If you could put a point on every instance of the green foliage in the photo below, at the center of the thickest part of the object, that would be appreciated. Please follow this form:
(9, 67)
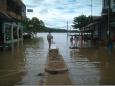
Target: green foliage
(26, 24)
(80, 21)
(48, 29)
(33, 25)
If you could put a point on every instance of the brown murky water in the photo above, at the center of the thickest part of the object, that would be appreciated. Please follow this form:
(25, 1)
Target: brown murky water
(24, 63)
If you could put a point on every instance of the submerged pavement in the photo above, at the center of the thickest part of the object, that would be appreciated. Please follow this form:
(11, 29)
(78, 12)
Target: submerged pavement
(25, 63)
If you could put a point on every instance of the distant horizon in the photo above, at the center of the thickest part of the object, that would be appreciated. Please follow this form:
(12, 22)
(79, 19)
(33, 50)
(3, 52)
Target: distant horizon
(56, 13)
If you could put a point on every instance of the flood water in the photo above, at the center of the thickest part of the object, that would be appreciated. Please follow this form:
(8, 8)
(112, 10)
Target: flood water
(24, 63)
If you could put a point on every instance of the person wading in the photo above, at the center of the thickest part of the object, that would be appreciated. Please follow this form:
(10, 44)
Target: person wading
(50, 39)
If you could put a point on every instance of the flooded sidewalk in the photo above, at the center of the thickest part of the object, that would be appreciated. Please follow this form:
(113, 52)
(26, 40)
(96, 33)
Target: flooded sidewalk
(25, 63)
(92, 66)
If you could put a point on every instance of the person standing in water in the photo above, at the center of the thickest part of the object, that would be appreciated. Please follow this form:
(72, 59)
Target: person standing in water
(75, 41)
(50, 39)
(71, 42)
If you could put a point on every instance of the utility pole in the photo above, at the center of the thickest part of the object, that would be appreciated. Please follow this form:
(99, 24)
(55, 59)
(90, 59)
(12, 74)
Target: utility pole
(67, 28)
(109, 6)
(91, 8)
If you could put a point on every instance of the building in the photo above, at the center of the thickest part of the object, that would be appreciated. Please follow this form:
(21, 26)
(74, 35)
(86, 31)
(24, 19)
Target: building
(108, 16)
(12, 12)
(93, 29)
(103, 27)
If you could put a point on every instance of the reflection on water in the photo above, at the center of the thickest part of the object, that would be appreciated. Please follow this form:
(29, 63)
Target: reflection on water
(83, 71)
(26, 60)
(92, 66)
(23, 63)
(11, 66)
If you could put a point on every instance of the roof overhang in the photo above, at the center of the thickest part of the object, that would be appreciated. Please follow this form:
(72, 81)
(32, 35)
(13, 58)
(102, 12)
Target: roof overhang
(5, 17)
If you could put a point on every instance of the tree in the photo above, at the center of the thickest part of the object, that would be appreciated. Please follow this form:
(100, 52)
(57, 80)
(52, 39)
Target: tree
(80, 21)
(38, 25)
(33, 25)
(42, 25)
(25, 23)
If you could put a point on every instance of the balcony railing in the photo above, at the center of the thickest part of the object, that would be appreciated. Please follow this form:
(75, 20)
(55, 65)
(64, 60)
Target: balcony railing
(16, 10)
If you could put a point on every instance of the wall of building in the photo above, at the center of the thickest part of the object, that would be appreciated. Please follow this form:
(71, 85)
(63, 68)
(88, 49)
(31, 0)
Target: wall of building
(113, 5)
(3, 5)
(13, 11)
(105, 4)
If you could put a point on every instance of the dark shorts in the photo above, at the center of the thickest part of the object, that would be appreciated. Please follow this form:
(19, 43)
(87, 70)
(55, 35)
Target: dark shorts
(49, 41)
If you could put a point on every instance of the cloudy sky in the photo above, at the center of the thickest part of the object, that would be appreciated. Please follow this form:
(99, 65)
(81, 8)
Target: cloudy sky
(56, 13)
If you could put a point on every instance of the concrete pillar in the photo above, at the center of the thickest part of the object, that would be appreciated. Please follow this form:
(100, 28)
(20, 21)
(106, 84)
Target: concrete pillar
(22, 32)
(12, 37)
(4, 29)
(17, 32)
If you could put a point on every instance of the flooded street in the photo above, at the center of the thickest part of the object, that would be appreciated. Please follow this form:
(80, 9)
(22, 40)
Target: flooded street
(24, 63)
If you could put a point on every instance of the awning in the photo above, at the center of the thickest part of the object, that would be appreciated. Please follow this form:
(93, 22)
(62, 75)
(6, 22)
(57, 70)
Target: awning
(94, 23)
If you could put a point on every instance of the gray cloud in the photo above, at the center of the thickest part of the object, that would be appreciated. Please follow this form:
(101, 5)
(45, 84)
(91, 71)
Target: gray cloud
(57, 12)
(31, 6)
(43, 11)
